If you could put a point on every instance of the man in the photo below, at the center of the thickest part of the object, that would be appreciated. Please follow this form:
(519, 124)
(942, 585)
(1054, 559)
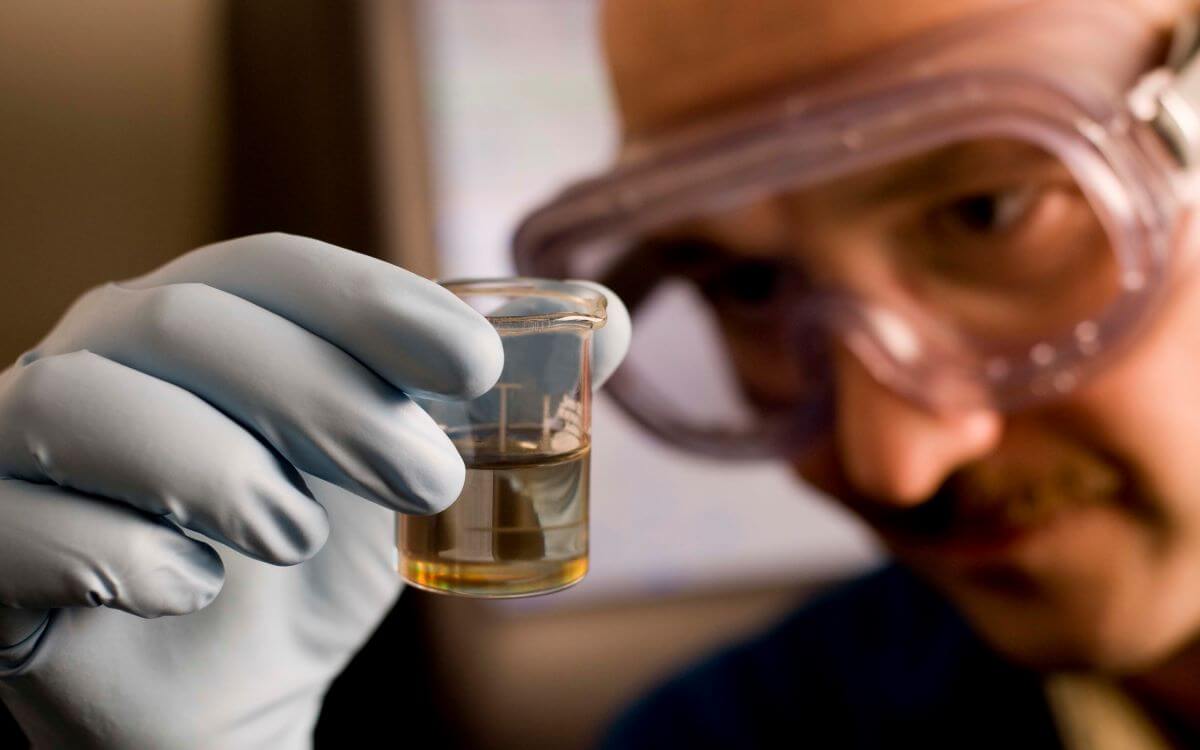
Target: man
(919, 249)
(989, 333)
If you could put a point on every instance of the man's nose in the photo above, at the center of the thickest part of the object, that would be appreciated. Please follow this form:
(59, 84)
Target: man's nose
(892, 450)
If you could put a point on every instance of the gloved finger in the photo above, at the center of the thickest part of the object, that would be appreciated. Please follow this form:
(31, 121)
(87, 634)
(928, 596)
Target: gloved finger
(319, 407)
(412, 332)
(59, 548)
(610, 344)
(16, 626)
(556, 355)
(88, 423)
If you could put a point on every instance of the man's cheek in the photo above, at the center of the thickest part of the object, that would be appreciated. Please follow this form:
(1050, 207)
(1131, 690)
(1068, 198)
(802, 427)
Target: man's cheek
(817, 466)
(1099, 592)
(1143, 412)
(1047, 618)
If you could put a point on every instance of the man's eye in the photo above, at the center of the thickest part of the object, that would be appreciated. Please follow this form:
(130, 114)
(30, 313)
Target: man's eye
(747, 283)
(989, 213)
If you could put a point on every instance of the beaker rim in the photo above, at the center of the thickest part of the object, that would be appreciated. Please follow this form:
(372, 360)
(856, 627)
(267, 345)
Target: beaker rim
(587, 305)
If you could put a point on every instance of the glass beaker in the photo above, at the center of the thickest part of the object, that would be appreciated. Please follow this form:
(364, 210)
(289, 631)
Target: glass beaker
(520, 525)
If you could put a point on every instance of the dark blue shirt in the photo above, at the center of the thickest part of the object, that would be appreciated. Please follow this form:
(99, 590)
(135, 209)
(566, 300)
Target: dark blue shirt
(882, 662)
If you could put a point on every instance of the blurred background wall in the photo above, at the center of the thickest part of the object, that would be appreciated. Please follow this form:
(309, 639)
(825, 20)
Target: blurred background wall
(111, 132)
(134, 130)
(419, 131)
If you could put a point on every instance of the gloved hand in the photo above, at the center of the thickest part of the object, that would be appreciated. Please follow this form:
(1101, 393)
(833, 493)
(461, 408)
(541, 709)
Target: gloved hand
(254, 392)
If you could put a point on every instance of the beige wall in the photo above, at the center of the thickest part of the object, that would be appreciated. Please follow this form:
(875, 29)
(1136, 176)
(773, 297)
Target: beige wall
(110, 148)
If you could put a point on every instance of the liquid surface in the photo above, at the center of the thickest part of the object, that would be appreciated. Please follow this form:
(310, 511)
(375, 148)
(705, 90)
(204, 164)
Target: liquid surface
(518, 528)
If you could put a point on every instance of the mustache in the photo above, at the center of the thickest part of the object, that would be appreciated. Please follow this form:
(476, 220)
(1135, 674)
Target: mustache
(996, 496)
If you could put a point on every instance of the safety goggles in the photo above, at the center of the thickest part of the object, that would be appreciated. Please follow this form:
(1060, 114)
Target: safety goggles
(976, 226)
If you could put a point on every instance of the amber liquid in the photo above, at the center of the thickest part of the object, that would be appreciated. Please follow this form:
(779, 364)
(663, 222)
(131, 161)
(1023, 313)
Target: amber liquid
(520, 527)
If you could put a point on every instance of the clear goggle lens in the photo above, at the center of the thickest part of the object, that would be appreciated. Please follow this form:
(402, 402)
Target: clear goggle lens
(976, 272)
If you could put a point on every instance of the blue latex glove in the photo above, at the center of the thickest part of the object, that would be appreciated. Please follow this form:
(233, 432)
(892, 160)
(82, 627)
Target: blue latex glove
(253, 392)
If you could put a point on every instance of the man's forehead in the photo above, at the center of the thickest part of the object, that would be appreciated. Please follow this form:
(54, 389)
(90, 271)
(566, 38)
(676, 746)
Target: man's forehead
(674, 60)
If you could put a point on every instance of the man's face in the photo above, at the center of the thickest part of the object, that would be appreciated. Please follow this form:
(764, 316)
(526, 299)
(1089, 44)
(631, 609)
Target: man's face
(1068, 534)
